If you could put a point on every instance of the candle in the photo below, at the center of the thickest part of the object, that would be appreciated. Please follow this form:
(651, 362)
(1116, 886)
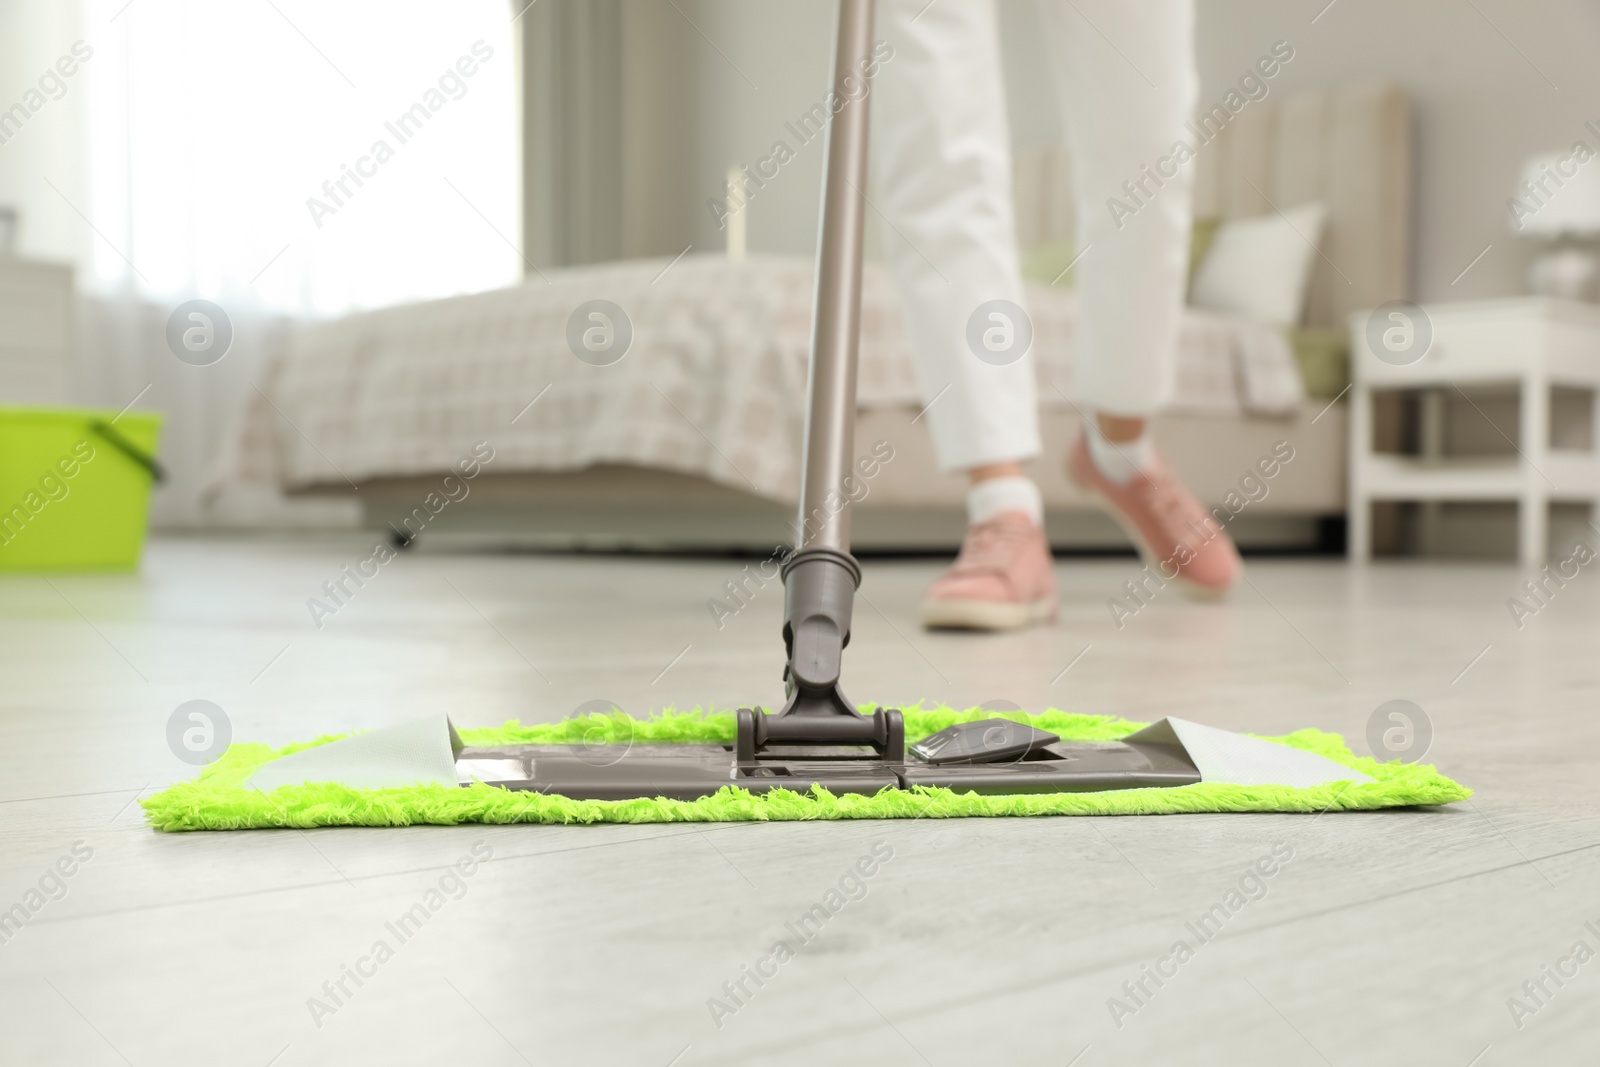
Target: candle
(736, 216)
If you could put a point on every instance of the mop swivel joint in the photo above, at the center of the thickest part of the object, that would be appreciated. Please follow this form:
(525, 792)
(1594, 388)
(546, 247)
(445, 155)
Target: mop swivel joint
(819, 589)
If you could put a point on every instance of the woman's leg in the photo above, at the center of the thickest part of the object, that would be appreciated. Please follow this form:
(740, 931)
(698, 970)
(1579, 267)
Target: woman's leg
(1125, 81)
(1125, 78)
(942, 168)
(941, 161)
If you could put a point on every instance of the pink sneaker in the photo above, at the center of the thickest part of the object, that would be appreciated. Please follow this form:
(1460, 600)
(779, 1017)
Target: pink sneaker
(1002, 580)
(1178, 538)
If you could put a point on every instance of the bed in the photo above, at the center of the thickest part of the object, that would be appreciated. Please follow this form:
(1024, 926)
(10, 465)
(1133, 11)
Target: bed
(692, 439)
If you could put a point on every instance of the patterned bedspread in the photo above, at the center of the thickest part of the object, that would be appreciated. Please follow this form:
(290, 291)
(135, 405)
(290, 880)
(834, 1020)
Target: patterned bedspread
(713, 384)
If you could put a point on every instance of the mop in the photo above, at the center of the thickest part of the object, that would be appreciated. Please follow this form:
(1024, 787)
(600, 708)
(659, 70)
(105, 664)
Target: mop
(819, 756)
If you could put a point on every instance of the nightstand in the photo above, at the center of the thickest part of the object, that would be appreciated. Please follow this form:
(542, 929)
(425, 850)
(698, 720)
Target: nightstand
(1498, 361)
(35, 332)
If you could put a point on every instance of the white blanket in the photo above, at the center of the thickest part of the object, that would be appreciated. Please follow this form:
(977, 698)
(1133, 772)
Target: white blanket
(713, 385)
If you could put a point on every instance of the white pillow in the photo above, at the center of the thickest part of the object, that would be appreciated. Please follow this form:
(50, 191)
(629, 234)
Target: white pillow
(1260, 266)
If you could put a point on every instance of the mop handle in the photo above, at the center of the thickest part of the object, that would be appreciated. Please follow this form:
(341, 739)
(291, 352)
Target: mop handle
(836, 326)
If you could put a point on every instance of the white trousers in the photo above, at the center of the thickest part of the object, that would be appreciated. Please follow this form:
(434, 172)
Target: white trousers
(1124, 75)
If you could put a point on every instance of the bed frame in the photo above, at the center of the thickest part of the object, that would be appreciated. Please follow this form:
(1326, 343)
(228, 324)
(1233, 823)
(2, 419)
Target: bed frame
(1350, 149)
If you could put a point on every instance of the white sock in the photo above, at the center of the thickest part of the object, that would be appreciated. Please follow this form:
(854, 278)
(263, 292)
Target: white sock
(1120, 460)
(991, 497)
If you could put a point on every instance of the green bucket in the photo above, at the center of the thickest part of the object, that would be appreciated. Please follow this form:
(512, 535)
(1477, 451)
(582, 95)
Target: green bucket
(75, 487)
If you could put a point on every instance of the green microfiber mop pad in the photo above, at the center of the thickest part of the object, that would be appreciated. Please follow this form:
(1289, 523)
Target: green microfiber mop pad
(218, 800)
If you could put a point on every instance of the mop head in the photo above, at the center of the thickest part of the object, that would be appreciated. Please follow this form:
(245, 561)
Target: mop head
(219, 799)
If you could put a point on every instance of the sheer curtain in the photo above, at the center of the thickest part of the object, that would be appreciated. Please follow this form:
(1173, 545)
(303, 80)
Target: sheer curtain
(284, 158)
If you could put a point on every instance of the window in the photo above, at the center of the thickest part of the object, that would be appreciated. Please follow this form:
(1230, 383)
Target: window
(303, 157)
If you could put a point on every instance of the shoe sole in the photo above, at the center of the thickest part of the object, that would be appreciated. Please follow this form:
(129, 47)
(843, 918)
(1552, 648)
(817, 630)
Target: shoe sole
(986, 614)
(1187, 586)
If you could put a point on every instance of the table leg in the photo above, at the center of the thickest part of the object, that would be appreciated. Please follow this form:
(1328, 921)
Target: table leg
(1533, 503)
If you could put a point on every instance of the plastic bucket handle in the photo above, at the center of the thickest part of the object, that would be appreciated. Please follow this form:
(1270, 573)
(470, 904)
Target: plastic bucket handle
(115, 439)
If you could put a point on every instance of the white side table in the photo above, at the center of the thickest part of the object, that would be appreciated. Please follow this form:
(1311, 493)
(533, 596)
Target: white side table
(1532, 344)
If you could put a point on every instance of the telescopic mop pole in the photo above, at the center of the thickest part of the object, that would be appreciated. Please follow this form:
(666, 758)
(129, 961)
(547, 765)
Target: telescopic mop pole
(836, 323)
(821, 577)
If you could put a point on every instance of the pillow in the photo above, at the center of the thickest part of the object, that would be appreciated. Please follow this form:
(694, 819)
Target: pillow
(1259, 267)
(1045, 263)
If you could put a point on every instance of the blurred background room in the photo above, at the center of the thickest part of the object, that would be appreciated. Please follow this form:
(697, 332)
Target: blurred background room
(367, 360)
(383, 308)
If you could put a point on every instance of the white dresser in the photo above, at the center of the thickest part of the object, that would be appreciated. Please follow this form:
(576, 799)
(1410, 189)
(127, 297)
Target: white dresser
(35, 331)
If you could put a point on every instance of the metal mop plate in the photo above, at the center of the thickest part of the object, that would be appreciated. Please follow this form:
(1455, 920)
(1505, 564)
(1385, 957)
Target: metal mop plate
(688, 772)
(677, 772)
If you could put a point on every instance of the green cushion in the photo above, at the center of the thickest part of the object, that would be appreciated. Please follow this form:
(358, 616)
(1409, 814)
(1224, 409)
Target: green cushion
(1324, 358)
(1201, 233)
(1050, 261)
(1045, 263)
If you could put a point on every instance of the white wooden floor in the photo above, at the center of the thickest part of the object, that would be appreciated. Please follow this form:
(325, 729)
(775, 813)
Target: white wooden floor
(1387, 938)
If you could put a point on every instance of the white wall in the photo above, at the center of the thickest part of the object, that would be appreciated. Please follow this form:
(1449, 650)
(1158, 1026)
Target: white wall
(1481, 107)
(772, 67)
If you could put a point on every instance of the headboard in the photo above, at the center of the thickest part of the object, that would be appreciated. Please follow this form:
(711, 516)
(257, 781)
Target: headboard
(1350, 148)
